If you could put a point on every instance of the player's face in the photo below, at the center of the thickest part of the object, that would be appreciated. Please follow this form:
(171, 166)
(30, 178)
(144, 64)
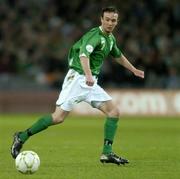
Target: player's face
(109, 21)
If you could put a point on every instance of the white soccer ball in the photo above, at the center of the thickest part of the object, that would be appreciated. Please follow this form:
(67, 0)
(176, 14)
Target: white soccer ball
(27, 162)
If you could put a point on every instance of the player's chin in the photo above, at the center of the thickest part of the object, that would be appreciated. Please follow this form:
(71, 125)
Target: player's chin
(110, 29)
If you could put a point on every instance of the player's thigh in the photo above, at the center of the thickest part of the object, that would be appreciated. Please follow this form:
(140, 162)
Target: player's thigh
(59, 115)
(109, 109)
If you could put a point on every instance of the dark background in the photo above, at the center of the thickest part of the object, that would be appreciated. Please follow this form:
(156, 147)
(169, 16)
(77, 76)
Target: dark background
(35, 37)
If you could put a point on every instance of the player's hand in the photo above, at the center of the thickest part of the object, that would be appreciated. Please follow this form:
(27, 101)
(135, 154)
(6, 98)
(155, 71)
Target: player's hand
(89, 80)
(139, 73)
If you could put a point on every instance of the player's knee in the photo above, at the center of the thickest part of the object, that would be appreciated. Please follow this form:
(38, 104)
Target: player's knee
(114, 113)
(57, 119)
(59, 115)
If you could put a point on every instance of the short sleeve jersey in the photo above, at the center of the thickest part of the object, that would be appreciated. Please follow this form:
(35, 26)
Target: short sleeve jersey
(96, 46)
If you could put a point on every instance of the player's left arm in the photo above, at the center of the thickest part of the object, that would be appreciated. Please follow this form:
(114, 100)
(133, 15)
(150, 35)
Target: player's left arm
(122, 60)
(125, 63)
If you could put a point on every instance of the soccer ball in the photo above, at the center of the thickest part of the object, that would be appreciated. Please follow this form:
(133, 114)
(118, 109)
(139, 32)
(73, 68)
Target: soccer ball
(27, 162)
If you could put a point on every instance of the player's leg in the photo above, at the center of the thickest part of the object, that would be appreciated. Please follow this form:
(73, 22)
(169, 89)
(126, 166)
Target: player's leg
(69, 86)
(43, 123)
(110, 128)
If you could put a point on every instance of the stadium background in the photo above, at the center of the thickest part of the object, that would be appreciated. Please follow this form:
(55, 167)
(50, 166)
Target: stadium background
(35, 37)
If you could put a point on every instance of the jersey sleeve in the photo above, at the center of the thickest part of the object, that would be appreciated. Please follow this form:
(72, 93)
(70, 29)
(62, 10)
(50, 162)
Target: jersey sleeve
(89, 43)
(115, 52)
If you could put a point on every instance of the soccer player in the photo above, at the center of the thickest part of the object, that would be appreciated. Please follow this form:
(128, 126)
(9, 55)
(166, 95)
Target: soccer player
(80, 84)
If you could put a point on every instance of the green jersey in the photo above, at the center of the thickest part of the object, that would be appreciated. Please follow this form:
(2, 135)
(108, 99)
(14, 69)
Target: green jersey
(96, 46)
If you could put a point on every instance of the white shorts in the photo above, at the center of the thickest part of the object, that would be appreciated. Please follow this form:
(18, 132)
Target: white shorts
(75, 90)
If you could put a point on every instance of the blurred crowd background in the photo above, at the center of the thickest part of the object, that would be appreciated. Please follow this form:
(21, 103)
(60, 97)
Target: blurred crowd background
(35, 37)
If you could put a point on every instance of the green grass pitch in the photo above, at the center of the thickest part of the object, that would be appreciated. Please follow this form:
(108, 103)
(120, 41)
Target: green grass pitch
(71, 150)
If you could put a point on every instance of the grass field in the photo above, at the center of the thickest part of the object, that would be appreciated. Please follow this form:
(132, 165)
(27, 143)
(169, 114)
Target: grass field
(71, 150)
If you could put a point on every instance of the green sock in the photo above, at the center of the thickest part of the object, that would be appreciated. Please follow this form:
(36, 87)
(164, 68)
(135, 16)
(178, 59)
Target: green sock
(110, 127)
(40, 125)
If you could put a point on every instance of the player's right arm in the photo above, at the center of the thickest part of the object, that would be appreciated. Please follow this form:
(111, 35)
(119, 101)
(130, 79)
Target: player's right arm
(89, 42)
(87, 71)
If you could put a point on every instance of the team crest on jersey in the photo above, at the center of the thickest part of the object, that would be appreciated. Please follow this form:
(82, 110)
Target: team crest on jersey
(89, 48)
(103, 42)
